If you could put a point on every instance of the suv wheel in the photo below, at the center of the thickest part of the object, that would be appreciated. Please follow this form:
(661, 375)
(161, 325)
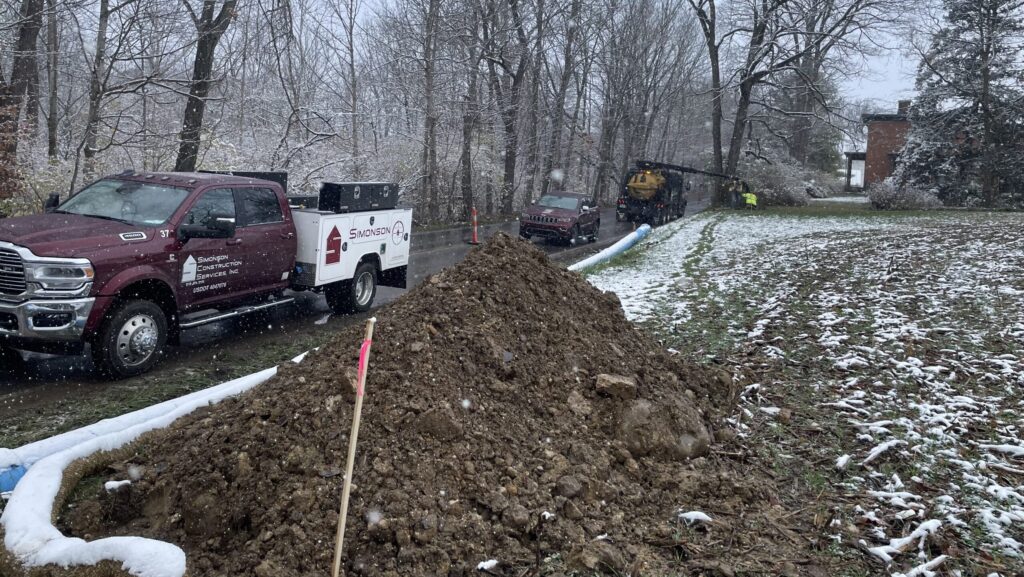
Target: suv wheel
(131, 340)
(354, 295)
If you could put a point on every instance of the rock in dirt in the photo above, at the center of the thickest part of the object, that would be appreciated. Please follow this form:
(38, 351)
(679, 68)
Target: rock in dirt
(600, 556)
(671, 429)
(616, 386)
(479, 418)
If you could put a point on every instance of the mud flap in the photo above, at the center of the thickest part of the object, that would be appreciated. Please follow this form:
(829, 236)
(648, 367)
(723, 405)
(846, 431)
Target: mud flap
(394, 277)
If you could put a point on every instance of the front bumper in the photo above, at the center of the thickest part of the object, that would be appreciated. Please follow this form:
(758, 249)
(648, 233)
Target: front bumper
(545, 231)
(45, 320)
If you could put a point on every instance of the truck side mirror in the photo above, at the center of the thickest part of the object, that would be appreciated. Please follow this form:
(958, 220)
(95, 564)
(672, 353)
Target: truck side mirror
(51, 202)
(218, 225)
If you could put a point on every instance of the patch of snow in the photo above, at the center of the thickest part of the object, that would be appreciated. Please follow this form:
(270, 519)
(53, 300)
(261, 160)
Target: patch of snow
(842, 462)
(111, 486)
(693, 517)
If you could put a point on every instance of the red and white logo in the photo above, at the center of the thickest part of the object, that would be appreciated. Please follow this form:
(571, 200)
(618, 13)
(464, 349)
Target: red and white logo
(332, 254)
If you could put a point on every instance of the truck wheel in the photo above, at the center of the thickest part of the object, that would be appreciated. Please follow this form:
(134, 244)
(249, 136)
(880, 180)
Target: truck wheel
(131, 340)
(354, 295)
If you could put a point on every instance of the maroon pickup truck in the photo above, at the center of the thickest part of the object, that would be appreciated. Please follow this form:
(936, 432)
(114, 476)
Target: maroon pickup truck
(131, 260)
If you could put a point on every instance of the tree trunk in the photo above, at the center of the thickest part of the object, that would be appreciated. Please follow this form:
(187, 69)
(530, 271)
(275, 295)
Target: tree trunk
(552, 156)
(470, 117)
(210, 30)
(96, 82)
(533, 123)
(739, 127)
(604, 154)
(52, 47)
(12, 94)
(430, 123)
(352, 86)
(708, 27)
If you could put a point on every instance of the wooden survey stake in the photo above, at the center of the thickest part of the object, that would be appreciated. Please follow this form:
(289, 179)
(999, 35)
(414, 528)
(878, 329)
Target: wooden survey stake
(364, 361)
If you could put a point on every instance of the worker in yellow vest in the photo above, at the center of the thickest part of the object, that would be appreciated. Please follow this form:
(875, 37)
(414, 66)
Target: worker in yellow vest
(750, 200)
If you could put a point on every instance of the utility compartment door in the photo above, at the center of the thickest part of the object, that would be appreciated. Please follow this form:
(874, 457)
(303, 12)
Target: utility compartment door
(400, 243)
(334, 250)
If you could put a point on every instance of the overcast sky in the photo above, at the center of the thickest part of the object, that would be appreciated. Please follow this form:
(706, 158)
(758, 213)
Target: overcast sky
(886, 79)
(887, 76)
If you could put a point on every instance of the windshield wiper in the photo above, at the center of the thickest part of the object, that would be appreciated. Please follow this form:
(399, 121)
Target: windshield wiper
(121, 220)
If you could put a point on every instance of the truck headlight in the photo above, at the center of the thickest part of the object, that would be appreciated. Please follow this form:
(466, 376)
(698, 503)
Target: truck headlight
(58, 275)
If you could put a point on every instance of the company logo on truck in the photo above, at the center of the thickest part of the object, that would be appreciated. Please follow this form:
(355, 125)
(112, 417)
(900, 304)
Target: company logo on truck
(373, 232)
(332, 254)
(398, 233)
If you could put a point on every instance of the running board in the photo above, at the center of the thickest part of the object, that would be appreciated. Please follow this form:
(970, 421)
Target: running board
(234, 313)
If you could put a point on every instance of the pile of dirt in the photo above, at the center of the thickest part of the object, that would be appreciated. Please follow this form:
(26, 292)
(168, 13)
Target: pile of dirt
(512, 413)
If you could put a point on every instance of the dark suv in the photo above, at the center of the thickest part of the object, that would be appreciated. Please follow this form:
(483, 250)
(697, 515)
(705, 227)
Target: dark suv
(562, 217)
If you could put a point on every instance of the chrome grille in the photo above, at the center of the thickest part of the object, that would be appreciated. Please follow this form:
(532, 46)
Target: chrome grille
(538, 218)
(12, 273)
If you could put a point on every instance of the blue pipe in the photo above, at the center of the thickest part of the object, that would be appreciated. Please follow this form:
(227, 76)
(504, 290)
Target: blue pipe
(624, 244)
(10, 477)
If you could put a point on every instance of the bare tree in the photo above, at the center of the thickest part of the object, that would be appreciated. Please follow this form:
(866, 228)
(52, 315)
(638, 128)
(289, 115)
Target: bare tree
(13, 90)
(210, 26)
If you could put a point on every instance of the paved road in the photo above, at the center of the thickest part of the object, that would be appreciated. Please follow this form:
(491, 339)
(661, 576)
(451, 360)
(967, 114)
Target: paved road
(54, 378)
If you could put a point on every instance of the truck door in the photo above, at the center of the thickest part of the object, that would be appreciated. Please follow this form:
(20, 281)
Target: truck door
(210, 267)
(267, 236)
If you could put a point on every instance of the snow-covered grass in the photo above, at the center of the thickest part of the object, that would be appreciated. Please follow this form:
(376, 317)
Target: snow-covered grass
(899, 335)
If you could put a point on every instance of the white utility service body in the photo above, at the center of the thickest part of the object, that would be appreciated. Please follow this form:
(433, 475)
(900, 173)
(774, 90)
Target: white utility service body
(331, 246)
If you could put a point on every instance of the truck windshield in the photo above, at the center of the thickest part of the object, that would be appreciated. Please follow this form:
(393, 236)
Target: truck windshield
(139, 203)
(552, 201)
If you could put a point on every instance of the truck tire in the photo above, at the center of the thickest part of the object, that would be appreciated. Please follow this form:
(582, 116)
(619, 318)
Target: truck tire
(355, 295)
(131, 340)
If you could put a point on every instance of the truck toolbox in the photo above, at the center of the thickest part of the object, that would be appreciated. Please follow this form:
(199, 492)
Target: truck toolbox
(345, 197)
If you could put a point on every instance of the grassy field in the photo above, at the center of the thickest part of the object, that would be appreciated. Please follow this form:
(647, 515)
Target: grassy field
(880, 359)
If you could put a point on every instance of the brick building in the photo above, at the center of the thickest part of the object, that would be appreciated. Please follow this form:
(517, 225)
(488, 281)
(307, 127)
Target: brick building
(887, 134)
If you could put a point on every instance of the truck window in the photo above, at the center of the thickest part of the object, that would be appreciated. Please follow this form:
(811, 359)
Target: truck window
(553, 201)
(129, 201)
(259, 206)
(217, 201)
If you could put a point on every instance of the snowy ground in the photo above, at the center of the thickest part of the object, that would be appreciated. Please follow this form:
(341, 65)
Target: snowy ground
(893, 346)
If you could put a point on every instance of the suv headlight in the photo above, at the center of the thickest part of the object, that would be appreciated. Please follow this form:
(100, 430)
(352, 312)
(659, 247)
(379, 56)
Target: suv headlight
(59, 276)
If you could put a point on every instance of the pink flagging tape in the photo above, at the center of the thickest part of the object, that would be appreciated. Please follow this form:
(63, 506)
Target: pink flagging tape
(364, 357)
